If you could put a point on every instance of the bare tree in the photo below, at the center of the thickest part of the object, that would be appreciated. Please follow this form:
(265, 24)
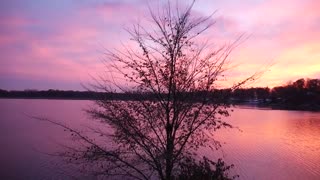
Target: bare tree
(174, 107)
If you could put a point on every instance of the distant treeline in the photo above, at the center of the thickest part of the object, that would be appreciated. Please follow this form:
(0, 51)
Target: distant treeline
(218, 96)
(60, 94)
(301, 94)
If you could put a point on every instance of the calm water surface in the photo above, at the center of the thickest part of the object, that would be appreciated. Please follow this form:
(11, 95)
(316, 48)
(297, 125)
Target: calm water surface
(272, 144)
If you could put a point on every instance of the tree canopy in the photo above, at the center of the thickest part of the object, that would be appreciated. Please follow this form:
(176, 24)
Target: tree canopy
(152, 137)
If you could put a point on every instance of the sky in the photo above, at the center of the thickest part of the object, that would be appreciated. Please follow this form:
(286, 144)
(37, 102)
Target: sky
(60, 44)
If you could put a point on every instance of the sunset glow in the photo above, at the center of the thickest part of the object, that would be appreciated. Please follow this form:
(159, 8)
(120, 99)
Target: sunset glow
(59, 44)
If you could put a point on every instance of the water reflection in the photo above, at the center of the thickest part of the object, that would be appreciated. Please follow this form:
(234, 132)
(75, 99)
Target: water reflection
(273, 144)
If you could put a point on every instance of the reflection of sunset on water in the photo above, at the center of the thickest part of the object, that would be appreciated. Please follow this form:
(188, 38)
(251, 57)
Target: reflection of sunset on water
(287, 143)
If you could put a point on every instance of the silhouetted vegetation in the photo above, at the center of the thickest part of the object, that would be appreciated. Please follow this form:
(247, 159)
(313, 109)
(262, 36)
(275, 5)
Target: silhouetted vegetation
(219, 95)
(175, 107)
(205, 169)
(303, 94)
(60, 94)
(250, 94)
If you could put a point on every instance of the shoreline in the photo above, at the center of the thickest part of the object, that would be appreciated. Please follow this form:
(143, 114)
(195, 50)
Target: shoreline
(271, 106)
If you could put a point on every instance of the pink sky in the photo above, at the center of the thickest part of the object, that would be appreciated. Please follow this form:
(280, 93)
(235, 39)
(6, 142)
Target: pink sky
(59, 44)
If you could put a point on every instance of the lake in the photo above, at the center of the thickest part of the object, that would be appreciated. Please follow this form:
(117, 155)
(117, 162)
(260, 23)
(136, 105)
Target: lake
(271, 144)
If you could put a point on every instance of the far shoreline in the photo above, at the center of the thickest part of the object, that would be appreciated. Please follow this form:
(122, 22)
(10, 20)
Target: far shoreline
(304, 107)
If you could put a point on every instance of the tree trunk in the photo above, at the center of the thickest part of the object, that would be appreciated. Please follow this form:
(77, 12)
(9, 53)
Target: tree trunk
(169, 154)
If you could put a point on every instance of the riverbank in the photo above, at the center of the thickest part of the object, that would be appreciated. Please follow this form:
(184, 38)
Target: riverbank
(280, 106)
